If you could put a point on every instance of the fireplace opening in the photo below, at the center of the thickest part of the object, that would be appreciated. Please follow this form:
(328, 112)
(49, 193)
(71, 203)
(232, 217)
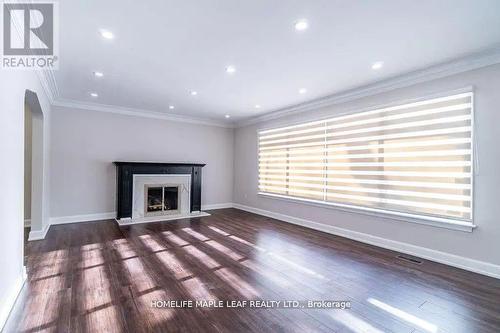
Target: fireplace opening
(170, 198)
(161, 199)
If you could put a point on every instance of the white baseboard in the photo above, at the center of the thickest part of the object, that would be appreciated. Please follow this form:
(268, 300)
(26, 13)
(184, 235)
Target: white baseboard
(217, 206)
(38, 234)
(82, 218)
(8, 301)
(27, 223)
(469, 264)
(112, 215)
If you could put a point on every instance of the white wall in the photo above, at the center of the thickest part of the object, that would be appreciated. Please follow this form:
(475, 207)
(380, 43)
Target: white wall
(85, 143)
(483, 244)
(12, 90)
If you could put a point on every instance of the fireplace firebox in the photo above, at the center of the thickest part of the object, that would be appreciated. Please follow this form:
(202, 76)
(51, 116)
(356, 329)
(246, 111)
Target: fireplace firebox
(161, 199)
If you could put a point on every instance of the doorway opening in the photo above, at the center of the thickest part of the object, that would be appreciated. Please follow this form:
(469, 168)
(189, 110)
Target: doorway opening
(33, 166)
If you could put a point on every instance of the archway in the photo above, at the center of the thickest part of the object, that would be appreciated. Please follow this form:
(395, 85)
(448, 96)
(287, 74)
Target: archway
(34, 163)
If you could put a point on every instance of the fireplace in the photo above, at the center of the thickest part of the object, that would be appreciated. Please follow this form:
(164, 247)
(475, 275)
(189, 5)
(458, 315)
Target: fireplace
(161, 199)
(132, 197)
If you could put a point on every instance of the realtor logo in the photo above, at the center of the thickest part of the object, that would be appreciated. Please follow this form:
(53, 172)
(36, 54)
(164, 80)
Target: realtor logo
(29, 35)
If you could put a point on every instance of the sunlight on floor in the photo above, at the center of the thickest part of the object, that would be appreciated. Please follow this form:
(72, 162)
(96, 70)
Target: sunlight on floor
(225, 250)
(152, 244)
(353, 323)
(219, 231)
(150, 315)
(195, 234)
(103, 320)
(202, 257)
(264, 271)
(124, 248)
(237, 283)
(279, 257)
(46, 319)
(93, 278)
(415, 321)
(90, 258)
(49, 257)
(90, 300)
(296, 266)
(138, 275)
(174, 238)
(170, 261)
(241, 240)
(197, 289)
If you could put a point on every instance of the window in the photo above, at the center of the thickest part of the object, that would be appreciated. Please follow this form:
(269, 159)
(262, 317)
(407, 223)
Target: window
(413, 159)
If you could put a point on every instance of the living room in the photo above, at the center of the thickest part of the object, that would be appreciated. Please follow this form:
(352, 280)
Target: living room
(228, 166)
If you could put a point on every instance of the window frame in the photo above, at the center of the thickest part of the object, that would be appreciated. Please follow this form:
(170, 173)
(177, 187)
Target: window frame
(443, 222)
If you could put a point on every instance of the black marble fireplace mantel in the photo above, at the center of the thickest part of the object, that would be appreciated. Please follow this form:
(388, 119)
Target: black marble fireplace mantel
(125, 172)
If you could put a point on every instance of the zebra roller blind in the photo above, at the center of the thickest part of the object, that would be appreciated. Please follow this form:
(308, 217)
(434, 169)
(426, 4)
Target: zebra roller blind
(414, 158)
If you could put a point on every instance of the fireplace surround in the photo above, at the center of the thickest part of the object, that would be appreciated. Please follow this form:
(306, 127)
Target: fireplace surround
(125, 172)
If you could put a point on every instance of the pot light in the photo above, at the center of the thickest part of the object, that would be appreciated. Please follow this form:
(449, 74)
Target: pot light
(107, 34)
(98, 74)
(302, 91)
(301, 25)
(93, 94)
(171, 107)
(230, 69)
(193, 93)
(377, 65)
(257, 106)
(227, 116)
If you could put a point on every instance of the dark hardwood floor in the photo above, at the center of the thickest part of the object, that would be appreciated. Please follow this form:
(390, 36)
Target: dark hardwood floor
(98, 277)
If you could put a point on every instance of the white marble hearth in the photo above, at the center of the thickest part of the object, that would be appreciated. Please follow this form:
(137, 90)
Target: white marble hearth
(161, 218)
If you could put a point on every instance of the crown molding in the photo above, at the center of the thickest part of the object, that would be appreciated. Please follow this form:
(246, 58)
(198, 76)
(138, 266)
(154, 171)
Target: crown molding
(474, 61)
(45, 76)
(73, 104)
(49, 84)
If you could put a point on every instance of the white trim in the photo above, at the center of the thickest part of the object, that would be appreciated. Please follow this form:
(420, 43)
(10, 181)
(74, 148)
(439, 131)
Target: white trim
(477, 60)
(38, 234)
(82, 218)
(73, 104)
(49, 84)
(468, 264)
(390, 215)
(46, 77)
(112, 215)
(217, 206)
(151, 219)
(27, 223)
(8, 300)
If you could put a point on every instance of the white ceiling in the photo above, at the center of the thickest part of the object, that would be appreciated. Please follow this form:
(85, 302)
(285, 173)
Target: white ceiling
(164, 49)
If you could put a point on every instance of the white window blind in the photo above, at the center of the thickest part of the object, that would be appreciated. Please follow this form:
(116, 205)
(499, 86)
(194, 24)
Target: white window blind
(414, 158)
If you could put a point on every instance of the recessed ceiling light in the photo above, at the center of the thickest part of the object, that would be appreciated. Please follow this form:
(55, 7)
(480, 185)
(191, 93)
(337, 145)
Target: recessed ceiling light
(257, 106)
(171, 107)
(377, 65)
(227, 116)
(94, 95)
(193, 93)
(302, 91)
(230, 69)
(107, 34)
(98, 74)
(301, 25)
